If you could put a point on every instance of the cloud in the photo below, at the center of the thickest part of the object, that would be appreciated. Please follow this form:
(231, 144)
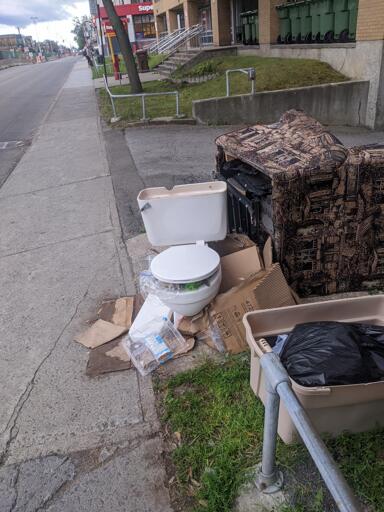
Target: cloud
(18, 13)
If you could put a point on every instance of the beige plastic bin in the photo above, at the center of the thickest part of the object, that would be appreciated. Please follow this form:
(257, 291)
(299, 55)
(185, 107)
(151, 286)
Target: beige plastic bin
(333, 409)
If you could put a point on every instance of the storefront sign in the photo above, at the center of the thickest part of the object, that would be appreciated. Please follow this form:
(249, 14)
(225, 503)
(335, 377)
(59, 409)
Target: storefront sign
(130, 9)
(108, 28)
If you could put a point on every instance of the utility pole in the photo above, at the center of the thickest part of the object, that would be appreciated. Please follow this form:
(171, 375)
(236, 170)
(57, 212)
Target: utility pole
(125, 47)
(35, 19)
(22, 38)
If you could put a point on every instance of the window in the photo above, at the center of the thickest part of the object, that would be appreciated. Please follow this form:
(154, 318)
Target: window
(144, 26)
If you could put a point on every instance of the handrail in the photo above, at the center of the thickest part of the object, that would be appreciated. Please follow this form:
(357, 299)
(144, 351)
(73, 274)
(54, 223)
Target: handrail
(142, 95)
(176, 39)
(250, 72)
(154, 48)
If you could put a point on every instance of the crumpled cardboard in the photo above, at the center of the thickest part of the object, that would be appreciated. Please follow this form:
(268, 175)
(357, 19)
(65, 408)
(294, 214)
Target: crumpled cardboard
(115, 318)
(110, 357)
(236, 267)
(266, 289)
(99, 333)
(118, 312)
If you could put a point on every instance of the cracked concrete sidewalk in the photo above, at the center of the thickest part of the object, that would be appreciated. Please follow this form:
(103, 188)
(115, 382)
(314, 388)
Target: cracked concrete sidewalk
(68, 442)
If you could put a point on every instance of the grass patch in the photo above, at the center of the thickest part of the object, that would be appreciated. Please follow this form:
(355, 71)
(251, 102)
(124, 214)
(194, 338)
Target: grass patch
(216, 422)
(153, 61)
(271, 74)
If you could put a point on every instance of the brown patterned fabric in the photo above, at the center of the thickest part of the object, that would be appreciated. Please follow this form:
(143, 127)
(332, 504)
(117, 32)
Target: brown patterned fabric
(326, 206)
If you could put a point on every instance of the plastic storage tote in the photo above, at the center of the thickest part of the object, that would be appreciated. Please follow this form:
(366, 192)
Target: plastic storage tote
(333, 409)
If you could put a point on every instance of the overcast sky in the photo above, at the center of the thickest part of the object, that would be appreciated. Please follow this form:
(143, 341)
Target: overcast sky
(54, 18)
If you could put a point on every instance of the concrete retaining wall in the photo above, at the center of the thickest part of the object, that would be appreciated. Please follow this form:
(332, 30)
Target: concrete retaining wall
(331, 104)
(359, 61)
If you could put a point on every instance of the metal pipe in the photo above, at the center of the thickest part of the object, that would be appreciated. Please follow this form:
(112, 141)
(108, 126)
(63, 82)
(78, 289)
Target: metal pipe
(113, 107)
(143, 107)
(227, 81)
(239, 70)
(270, 434)
(279, 382)
(332, 476)
(177, 105)
(142, 96)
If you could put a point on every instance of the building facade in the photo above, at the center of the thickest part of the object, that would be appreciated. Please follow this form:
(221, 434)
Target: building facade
(138, 18)
(257, 24)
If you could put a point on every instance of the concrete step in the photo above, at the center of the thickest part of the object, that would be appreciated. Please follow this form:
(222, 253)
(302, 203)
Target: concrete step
(163, 72)
(178, 60)
(167, 67)
(187, 53)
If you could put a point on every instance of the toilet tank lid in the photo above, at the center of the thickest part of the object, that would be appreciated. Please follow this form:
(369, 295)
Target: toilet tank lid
(185, 264)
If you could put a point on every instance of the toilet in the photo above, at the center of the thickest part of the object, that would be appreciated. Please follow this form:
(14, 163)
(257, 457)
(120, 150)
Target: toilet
(186, 217)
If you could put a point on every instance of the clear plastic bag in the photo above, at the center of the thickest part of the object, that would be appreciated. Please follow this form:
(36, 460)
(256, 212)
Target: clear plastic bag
(207, 331)
(153, 344)
(165, 291)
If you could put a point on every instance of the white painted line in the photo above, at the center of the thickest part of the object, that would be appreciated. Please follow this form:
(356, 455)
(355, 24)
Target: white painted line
(11, 144)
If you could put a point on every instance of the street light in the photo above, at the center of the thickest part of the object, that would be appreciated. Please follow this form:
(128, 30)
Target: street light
(35, 19)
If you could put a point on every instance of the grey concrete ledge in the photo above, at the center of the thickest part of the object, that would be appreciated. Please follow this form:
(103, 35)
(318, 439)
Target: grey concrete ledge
(342, 103)
(313, 46)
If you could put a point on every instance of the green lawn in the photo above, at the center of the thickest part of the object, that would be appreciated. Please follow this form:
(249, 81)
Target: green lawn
(215, 421)
(271, 74)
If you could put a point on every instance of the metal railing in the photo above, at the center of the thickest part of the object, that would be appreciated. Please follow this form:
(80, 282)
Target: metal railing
(100, 68)
(176, 39)
(164, 38)
(250, 72)
(278, 386)
(206, 38)
(143, 97)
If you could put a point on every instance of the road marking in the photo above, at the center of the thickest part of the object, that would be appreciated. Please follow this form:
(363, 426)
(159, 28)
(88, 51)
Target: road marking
(10, 144)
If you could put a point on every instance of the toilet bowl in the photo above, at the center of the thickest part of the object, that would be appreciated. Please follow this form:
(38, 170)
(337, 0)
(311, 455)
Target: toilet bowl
(186, 217)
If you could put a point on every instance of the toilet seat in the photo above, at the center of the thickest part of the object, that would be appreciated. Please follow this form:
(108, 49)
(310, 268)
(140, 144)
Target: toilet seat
(185, 264)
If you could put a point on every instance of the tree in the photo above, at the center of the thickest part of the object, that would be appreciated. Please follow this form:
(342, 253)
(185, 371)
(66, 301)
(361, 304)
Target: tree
(78, 30)
(125, 47)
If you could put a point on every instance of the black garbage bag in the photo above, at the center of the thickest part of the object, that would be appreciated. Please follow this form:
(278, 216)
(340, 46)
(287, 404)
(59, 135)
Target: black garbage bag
(334, 353)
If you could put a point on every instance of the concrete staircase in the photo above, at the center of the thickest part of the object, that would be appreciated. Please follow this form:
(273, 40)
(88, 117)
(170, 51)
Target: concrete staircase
(180, 58)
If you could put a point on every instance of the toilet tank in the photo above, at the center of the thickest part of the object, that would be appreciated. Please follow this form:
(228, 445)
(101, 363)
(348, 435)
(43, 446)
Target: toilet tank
(185, 214)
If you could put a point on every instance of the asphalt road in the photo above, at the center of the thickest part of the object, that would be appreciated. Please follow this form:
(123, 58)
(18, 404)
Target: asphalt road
(26, 94)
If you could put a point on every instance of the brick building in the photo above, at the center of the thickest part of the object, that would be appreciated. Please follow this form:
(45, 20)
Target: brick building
(361, 59)
(138, 17)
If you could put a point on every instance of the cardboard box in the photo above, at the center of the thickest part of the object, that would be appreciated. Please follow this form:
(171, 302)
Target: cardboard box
(264, 290)
(238, 266)
(234, 242)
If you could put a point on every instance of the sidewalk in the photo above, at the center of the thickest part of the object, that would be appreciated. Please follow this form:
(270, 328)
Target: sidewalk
(68, 442)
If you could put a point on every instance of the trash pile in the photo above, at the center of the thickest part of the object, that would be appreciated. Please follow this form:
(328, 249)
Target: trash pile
(142, 331)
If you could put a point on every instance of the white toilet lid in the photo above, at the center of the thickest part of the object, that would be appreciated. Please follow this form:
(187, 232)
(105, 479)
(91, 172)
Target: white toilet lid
(185, 264)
